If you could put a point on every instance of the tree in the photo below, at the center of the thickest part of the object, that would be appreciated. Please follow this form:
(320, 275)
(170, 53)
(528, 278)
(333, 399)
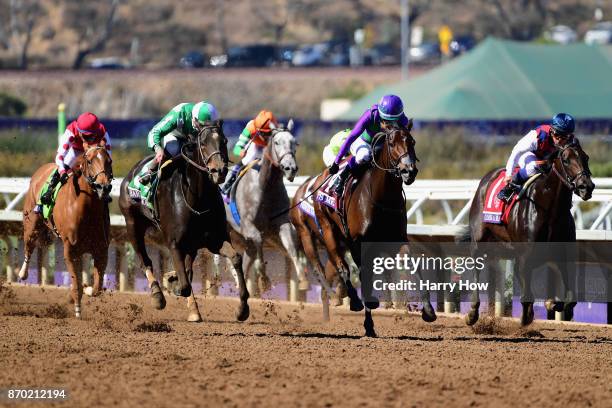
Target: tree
(23, 16)
(94, 25)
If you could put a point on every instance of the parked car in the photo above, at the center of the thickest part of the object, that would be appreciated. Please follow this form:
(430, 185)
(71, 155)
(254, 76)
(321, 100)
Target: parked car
(246, 56)
(600, 34)
(462, 44)
(285, 54)
(382, 54)
(561, 34)
(426, 53)
(193, 59)
(107, 63)
(310, 55)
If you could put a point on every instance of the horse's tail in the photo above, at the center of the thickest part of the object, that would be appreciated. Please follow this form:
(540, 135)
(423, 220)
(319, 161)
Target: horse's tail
(465, 235)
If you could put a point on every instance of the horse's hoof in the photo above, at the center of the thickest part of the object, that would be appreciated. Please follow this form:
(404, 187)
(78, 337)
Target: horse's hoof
(264, 283)
(370, 333)
(243, 313)
(472, 317)
(88, 290)
(375, 304)
(23, 272)
(341, 290)
(157, 297)
(183, 292)
(568, 311)
(527, 315)
(428, 314)
(356, 305)
(194, 317)
(304, 285)
(553, 306)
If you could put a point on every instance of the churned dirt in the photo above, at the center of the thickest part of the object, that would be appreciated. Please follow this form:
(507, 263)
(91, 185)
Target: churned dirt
(125, 354)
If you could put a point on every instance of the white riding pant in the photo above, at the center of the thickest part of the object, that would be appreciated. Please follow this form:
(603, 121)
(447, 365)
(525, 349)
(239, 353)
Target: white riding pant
(361, 150)
(71, 157)
(253, 152)
(328, 156)
(528, 165)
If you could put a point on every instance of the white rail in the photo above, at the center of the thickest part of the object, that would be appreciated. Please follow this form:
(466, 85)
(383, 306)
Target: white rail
(453, 197)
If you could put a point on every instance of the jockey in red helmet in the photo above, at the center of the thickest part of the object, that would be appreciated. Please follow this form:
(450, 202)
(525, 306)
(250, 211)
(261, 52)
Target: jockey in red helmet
(87, 130)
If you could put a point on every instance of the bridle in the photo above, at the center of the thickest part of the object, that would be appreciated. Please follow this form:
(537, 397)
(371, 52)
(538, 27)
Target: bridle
(198, 142)
(273, 157)
(394, 169)
(91, 180)
(569, 182)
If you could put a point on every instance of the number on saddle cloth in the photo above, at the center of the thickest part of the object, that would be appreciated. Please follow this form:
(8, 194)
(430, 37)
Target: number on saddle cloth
(48, 209)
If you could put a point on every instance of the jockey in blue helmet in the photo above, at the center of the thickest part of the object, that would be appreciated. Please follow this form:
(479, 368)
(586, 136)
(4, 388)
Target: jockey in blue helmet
(374, 120)
(533, 149)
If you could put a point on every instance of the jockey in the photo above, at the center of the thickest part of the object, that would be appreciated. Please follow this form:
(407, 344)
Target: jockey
(533, 150)
(86, 129)
(374, 119)
(168, 135)
(251, 143)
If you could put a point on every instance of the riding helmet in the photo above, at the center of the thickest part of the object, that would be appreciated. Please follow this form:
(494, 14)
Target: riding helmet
(390, 107)
(203, 112)
(563, 123)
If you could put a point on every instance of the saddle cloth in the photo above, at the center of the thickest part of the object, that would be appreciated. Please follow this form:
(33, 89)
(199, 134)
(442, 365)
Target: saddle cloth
(326, 195)
(496, 211)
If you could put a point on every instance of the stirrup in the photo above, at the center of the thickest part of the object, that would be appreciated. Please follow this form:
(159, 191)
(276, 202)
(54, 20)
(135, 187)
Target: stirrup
(146, 178)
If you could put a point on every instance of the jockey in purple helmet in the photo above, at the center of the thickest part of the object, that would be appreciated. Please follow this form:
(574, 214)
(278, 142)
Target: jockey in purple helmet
(374, 120)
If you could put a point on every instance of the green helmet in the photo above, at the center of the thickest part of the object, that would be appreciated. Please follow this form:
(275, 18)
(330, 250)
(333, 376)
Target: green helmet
(202, 112)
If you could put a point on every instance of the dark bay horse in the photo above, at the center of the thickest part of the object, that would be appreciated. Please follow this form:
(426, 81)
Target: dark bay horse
(191, 216)
(374, 211)
(542, 215)
(80, 218)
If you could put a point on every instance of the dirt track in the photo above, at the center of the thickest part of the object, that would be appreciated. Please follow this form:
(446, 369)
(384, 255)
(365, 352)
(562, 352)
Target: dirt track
(284, 356)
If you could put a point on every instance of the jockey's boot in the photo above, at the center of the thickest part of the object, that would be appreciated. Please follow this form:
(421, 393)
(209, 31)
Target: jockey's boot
(351, 167)
(514, 186)
(47, 198)
(227, 186)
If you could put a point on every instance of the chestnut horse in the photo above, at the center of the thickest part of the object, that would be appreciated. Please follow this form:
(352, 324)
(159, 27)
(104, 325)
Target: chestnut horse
(80, 217)
(541, 215)
(191, 216)
(374, 211)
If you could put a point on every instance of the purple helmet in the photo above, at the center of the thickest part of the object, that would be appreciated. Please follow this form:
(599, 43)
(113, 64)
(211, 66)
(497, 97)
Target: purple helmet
(390, 107)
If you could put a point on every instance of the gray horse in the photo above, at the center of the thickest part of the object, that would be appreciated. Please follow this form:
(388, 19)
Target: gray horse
(260, 197)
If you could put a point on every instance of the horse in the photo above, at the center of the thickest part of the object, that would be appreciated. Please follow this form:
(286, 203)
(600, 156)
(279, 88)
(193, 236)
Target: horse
(374, 211)
(191, 216)
(261, 199)
(80, 218)
(542, 215)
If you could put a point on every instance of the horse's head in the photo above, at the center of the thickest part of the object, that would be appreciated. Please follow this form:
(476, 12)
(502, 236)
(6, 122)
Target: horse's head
(97, 168)
(401, 155)
(210, 154)
(572, 165)
(282, 147)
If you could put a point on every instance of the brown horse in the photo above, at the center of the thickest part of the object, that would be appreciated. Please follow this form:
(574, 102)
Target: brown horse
(374, 211)
(542, 215)
(80, 217)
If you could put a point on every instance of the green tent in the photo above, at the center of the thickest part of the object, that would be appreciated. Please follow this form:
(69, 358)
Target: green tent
(505, 80)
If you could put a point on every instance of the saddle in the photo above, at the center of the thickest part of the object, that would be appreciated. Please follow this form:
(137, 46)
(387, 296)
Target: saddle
(496, 211)
(230, 199)
(47, 209)
(328, 196)
(145, 194)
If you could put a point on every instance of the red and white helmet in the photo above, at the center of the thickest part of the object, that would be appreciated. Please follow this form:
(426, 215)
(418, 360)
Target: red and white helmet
(89, 127)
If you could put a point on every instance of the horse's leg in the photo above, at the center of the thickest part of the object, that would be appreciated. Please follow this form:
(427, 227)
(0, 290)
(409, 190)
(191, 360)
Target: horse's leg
(100, 261)
(289, 241)
(525, 266)
(183, 288)
(136, 235)
(31, 232)
(192, 305)
(228, 251)
(74, 264)
(472, 317)
(356, 305)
